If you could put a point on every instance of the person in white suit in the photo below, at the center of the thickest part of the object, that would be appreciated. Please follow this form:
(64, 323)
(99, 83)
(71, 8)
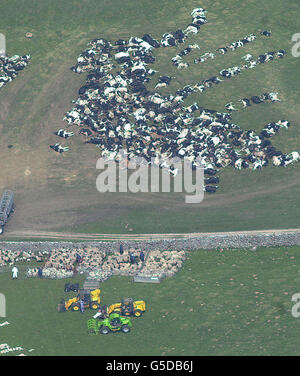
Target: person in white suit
(15, 272)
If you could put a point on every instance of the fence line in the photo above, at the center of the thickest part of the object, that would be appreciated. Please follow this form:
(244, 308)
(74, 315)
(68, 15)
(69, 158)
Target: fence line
(205, 241)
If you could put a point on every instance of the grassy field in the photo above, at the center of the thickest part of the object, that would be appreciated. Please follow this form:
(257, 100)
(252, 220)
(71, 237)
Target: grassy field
(234, 302)
(58, 192)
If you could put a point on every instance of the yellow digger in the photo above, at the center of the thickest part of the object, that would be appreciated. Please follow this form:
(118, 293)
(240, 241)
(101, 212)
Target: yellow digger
(91, 300)
(128, 307)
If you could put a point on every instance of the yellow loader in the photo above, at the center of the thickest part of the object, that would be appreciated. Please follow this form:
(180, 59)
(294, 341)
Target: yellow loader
(91, 300)
(128, 307)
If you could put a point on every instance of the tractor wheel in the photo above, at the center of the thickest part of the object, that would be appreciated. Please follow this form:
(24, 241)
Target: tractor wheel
(104, 330)
(137, 313)
(75, 307)
(125, 328)
(67, 287)
(118, 310)
(94, 305)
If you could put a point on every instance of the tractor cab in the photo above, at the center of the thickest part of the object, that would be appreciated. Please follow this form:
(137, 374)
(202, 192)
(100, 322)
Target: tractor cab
(91, 299)
(85, 296)
(115, 322)
(127, 307)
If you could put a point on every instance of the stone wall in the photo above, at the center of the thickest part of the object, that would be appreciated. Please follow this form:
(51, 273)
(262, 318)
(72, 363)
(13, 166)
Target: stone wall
(206, 241)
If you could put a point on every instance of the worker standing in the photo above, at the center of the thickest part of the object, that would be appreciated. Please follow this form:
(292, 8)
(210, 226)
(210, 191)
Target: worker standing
(142, 256)
(121, 249)
(81, 306)
(15, 272)
(75, 271)
(40, 272)
(132, 258)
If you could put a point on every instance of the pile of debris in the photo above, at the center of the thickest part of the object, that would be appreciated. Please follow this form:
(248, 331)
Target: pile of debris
(121, 264)
(8, 257)
(165, 263)
(100, 265)
(61, 259)
(91, 258)
(100, 274)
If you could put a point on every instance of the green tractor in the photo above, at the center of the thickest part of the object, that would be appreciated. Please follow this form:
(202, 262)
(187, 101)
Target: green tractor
(114, 323)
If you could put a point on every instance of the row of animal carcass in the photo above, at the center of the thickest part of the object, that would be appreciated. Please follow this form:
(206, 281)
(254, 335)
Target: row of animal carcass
(256, 99)
(250, 63)
(11, 66)
(61, 259)
(230, 47)
(50, 272)
(99, 53)
(5, 348)
(177, 60)
(9, 258)
(156, 262)
(100, 274)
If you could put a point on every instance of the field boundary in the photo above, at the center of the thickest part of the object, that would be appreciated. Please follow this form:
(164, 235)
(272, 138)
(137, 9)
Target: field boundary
(147, 242)
(123, 237)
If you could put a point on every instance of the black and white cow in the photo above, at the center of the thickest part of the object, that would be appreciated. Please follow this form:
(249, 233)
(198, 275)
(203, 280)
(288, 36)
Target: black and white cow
(58, 148)
(64, 134)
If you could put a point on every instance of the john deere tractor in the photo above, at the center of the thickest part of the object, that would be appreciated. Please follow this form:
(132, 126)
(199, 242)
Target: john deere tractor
(91, 300)
(114, 323)
(128, 307)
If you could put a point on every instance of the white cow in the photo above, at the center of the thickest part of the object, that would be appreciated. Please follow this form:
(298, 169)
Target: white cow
(247, 57)
(274, 97)
(276, 160)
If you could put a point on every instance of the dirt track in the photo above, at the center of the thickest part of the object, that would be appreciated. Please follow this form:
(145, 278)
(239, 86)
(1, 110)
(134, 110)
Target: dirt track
(122, 237)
